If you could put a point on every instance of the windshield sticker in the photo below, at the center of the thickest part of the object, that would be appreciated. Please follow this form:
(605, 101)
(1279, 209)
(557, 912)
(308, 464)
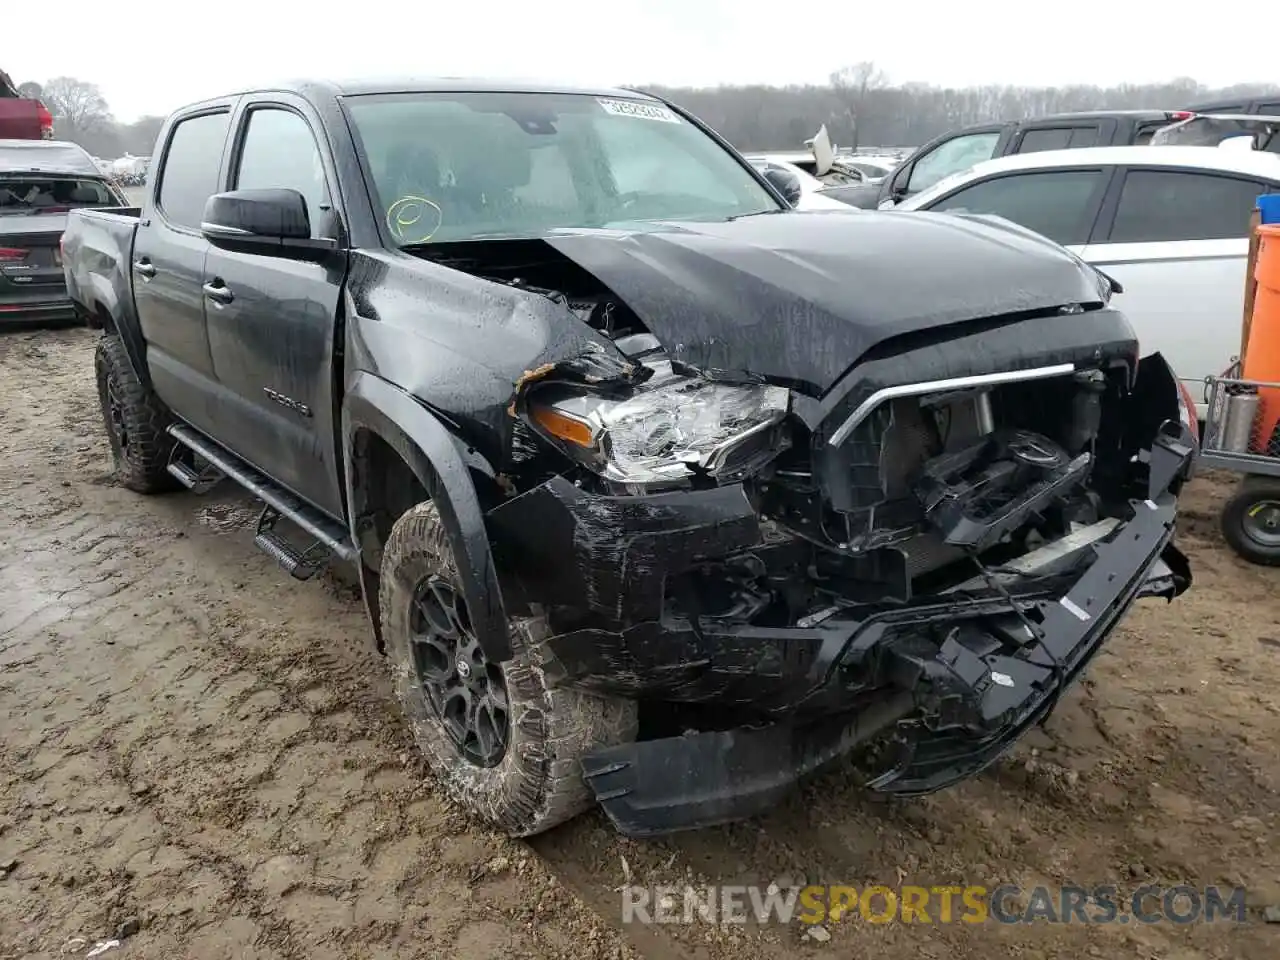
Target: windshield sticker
(634, 108)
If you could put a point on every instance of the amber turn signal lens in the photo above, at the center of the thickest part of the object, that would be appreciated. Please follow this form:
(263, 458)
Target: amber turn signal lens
(566, 428)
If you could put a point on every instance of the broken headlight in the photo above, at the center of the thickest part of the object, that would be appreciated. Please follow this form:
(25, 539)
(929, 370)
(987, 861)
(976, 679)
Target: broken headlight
(667, 431)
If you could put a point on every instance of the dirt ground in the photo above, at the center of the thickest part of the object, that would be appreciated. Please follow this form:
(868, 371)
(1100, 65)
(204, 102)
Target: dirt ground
(201, 756)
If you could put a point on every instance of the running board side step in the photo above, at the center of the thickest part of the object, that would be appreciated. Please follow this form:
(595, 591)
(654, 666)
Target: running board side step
(197, 481)
(331, 538)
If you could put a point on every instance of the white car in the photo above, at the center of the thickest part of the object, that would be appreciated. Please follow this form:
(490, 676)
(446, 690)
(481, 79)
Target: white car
(873, 169)
(1170, 224)
(811, 195)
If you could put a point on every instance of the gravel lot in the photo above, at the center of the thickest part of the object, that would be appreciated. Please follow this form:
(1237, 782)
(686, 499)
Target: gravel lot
(202, 756)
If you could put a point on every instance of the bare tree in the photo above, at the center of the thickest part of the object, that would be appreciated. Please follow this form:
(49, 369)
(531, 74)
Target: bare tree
(78, 107)
(861, 107)
(851, 86)
(31, 90)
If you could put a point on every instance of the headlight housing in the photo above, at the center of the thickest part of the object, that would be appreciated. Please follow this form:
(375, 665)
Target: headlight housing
(667, 431)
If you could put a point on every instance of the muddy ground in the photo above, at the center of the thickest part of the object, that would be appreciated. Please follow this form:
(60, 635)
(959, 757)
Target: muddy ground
(201, 755)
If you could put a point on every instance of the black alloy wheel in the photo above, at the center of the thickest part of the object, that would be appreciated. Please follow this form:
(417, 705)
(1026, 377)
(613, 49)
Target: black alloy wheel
(466, 691)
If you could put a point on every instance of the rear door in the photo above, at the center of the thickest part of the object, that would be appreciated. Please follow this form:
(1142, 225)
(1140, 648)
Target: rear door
(168, 265)
(1177, 240)
(271, 320)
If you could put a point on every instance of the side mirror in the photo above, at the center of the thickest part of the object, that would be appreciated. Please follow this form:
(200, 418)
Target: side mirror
(271, 222)
(787, 184)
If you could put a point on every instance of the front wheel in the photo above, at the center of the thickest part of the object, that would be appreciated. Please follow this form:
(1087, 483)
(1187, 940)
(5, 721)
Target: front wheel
(501, 742)
(1251, 520)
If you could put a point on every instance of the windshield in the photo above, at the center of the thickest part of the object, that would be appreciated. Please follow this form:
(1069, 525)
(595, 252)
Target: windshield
(36, 194)
(466, 166)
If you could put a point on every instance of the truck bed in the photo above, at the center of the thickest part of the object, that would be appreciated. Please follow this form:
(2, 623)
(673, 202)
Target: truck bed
(97, 255)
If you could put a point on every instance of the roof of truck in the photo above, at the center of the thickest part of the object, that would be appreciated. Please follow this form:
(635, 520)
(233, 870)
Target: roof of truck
(45, 156)
(310, 88)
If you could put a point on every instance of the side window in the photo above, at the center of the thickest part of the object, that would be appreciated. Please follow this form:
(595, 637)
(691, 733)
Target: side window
(958, 153)
(279, 150)
(1158, 205)
(1057, 138)
(1056, 203)
(1271, 109)
(1035, 141)
(191, 164)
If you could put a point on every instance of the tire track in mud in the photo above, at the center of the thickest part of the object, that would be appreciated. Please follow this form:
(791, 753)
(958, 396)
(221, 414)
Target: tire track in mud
(192, 740)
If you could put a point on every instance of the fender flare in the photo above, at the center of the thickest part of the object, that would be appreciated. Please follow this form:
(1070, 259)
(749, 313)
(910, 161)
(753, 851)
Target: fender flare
(436, 458)
(117, 316)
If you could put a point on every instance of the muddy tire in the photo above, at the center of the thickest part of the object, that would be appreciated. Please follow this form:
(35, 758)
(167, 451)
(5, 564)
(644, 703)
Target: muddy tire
(135, 420)
(1251, 521)
(535, 782)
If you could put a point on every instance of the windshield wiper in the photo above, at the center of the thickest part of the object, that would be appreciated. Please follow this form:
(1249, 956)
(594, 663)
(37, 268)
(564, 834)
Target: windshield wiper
(758, 213)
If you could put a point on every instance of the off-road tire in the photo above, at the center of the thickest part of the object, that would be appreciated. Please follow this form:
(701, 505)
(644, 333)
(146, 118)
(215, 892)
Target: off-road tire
(1235, 520)
(538, 782)
(142, 462)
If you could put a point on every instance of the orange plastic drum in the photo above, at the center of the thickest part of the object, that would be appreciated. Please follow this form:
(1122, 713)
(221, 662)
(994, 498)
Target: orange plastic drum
(1262, 357)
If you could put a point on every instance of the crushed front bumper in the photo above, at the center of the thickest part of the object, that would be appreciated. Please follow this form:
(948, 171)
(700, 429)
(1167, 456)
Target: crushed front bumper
(956, 682)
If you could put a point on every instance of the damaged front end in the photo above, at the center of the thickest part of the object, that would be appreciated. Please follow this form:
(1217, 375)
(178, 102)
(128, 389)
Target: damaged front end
(929, 551)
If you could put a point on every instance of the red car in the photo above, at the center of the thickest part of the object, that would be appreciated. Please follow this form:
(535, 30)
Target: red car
(22, 118)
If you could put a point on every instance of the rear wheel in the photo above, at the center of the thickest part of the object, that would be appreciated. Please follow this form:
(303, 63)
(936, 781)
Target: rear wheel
(502, 743)
(1251, 520)
(135, 419)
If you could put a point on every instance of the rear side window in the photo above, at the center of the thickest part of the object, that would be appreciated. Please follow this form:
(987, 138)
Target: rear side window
(1057, 138)
(1057, 204)
(279, 151)
(191, 164)
(1163, 205)
(1271, 109)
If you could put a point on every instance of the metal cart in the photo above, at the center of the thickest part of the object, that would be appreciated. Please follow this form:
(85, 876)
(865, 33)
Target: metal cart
(1234, 440)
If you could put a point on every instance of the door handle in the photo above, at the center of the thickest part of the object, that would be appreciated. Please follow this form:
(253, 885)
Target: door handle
(219, 293)
(145, 267)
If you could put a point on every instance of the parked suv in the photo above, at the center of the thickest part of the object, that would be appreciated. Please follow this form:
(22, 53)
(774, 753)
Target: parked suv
(661, 493)
(960, 149)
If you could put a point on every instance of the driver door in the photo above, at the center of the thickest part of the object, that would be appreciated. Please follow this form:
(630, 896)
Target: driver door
(941, 159)
(272, 320)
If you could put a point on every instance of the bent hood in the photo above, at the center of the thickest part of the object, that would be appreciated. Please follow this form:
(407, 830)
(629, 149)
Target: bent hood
(799, 297)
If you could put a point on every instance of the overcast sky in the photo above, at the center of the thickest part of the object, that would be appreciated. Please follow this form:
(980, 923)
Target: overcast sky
(153, 58)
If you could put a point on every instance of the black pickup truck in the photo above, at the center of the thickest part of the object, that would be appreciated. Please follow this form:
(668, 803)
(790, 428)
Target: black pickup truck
(662, 494)
(961, 149)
